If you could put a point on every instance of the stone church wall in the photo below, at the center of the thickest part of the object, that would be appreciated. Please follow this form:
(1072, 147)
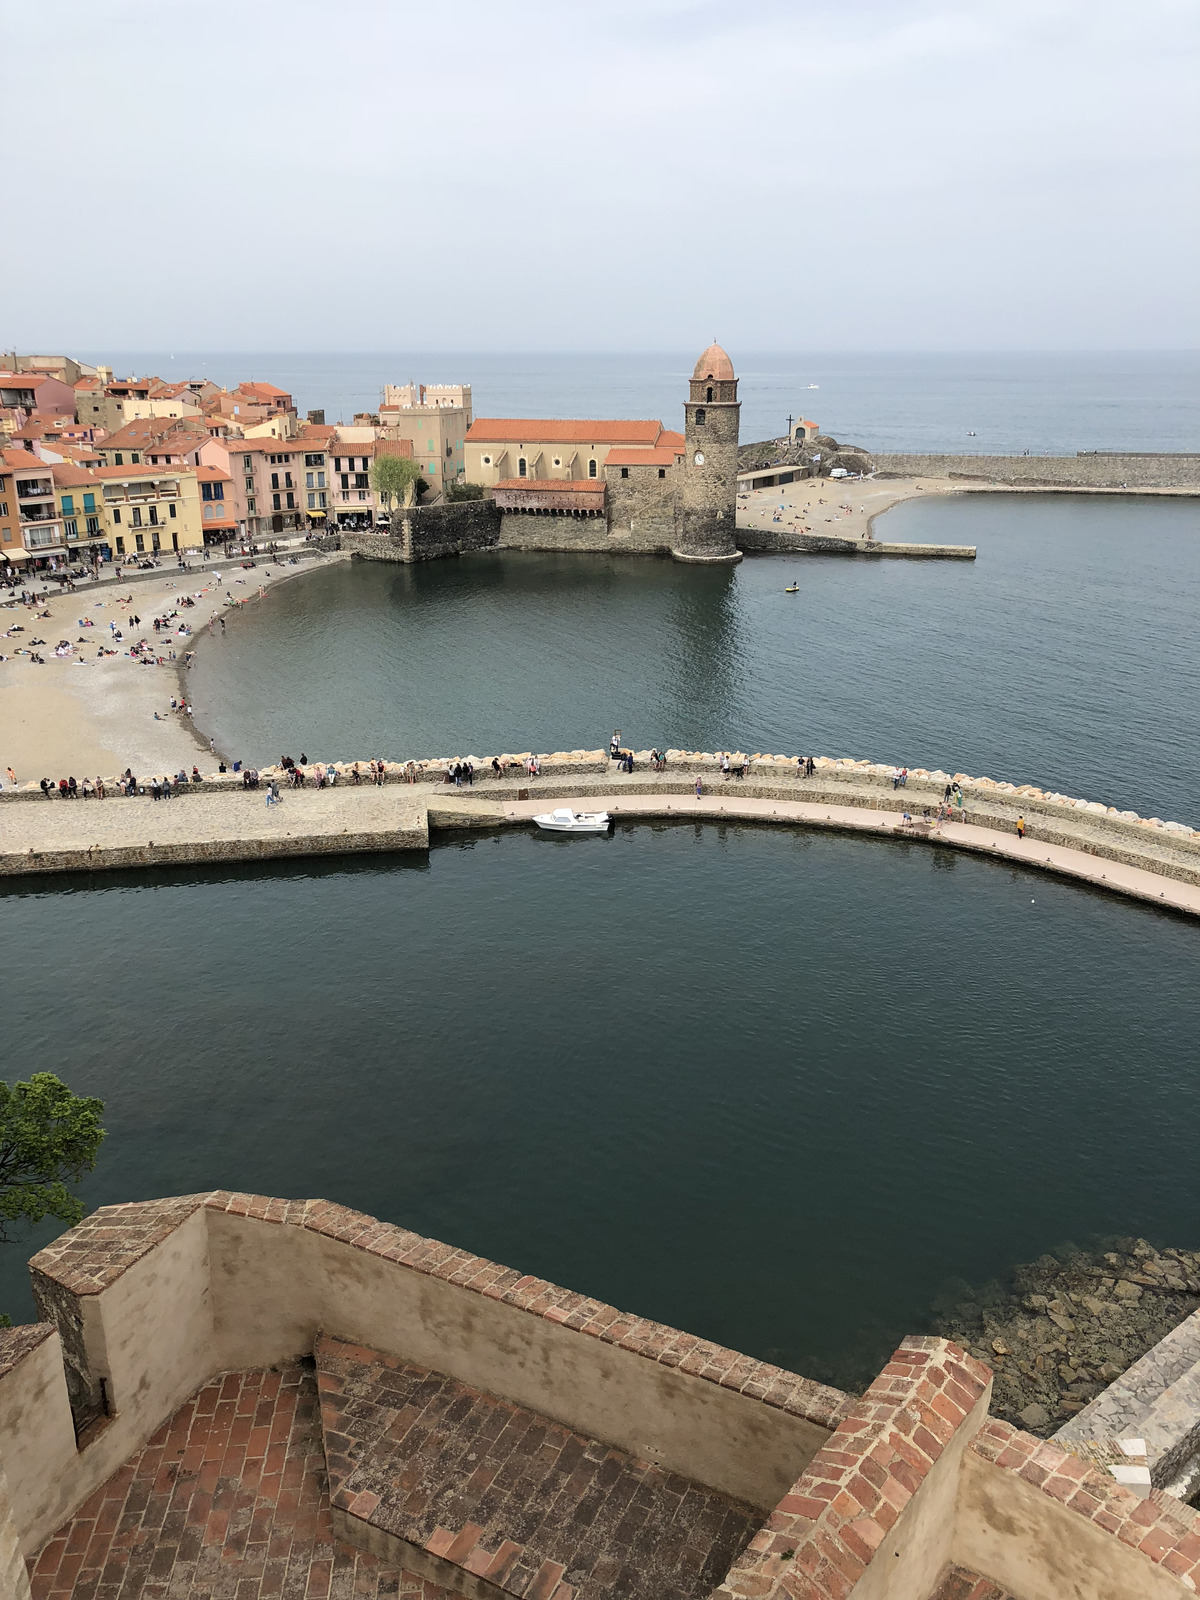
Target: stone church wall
(641, 507)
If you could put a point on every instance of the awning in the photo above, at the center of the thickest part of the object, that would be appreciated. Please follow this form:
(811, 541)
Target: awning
(316, 514)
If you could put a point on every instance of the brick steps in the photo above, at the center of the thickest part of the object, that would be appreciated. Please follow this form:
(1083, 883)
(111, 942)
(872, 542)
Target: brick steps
(493, 1500)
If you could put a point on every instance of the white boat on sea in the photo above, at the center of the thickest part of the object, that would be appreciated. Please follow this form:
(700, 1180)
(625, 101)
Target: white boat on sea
(567, 821)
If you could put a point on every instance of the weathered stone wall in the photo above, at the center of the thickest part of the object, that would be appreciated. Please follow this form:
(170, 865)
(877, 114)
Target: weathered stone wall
(641, 507)
(531, 531)
(437, 531)
(1166, 471)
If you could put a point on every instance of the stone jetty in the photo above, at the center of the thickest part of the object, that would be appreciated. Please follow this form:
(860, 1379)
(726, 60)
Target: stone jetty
(218, 819)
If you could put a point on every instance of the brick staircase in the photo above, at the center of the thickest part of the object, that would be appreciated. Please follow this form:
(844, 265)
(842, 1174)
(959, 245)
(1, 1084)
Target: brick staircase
(492, 1500)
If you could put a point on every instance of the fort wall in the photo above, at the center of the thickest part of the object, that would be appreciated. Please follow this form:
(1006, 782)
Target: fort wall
(885, 1497)
(1095, 471)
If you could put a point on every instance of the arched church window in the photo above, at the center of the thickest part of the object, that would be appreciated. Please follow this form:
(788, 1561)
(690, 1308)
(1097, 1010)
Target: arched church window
(522, 467)
(591, 469)
(699, 416)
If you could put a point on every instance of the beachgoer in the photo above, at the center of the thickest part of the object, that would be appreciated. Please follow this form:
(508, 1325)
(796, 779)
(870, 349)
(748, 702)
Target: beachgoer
(699, 789)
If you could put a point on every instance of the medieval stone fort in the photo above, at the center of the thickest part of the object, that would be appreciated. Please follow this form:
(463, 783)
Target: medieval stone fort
(593, 485)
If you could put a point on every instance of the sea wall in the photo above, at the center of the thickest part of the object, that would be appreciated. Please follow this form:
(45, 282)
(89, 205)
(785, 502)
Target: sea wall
(1084, 471)
(784, 541)
(434, 532)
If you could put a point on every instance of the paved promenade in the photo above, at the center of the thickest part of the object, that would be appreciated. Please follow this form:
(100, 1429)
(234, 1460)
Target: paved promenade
(209, 824)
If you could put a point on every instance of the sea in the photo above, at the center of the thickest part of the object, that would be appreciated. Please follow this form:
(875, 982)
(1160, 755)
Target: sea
(787, 1090)
(981, 402)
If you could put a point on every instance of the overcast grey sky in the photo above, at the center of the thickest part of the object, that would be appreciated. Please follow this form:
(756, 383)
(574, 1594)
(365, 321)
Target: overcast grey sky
(625, 174)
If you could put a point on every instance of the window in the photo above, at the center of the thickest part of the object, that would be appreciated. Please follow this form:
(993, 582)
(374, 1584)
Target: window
(708, 396)
(345, 480)
(522, 467)
(218, 491)
(135, 457)
(312, 499)
(291, 502)
(362, 480)
(362, 494)
(137, 516)
(662, 472)
(274, 480)
(89, 502)
(120, 545)
(206, 491)
(208, 509)
(275, 503)
(308, 482)
(71, 528)
(487, 461)
(249, 485)
(557, 459)
(321, 497)
(140, 542)
(699, 416)
(320, 480)
(120, 461)
(154, 514)
(247, 462)
(591, 469)
(171, 505)
(93, 524)
(287, 480)
(314, 461)
(251, 504)
(116, 516)
(68, 504)
(624, 472)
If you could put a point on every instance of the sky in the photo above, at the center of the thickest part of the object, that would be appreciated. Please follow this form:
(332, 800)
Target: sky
(492, 175)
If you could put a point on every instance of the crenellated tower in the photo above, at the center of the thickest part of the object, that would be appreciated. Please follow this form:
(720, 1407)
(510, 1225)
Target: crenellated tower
(707, 509)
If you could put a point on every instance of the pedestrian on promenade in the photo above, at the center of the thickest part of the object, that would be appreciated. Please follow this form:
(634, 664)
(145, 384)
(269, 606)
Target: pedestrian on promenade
(725, 766)
(1020, 827)
(895, 779)
(903, 777)
(699, 788)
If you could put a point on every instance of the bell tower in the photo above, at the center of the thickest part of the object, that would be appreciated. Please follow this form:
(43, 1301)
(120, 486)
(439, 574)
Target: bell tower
(707, 510)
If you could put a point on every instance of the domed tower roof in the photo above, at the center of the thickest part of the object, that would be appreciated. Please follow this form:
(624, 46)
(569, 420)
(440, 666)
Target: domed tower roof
(715, 364)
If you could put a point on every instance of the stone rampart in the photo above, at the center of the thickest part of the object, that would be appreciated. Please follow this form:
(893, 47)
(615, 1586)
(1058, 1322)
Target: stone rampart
(432, 532)
(908, 1492)
(1084, 471)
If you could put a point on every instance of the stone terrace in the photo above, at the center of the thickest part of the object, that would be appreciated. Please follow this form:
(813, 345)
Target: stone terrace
(513, 1497)
(228, 1501)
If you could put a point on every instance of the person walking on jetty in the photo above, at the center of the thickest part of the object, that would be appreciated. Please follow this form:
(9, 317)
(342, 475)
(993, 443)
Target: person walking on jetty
(1020, 827)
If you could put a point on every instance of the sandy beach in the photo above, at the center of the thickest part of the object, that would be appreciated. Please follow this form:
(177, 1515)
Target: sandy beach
(843, 509)
(83, 714)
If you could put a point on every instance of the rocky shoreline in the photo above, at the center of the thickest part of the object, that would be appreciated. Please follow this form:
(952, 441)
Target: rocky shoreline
(1068, 1325)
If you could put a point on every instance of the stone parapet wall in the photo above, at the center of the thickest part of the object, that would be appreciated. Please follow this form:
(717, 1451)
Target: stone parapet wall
(782, 541)
(1166, 471)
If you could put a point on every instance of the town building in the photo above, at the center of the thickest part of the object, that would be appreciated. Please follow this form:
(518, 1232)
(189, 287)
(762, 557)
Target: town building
(218, 505)
(37, 536)
(36, 394)
(81, 510)
(149, 510)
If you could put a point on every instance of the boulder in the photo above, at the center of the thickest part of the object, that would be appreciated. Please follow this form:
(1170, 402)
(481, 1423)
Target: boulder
(1034, 1416)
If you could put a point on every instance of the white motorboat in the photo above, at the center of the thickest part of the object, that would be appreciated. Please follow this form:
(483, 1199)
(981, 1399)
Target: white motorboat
(567, 821)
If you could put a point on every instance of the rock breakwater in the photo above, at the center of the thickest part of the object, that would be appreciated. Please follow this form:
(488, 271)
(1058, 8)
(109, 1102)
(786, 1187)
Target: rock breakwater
(1069, 1324)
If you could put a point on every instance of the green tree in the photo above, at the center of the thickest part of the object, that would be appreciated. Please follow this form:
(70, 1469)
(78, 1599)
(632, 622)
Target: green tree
(464, 491)
(395, 478)
(49, 1139)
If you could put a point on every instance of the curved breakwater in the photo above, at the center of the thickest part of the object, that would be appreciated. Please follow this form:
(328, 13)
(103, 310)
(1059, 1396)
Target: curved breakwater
(398, 808)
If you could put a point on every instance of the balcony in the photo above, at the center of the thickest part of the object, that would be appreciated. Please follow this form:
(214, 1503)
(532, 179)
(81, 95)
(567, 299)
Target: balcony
(40, 538)
(41, 489)
(38, 513)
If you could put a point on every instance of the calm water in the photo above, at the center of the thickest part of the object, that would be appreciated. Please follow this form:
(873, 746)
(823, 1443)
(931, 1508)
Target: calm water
(1041, 401)
(1067, 655)
(772, 1087)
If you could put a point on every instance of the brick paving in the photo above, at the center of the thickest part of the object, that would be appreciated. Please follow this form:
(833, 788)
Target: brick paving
(538, 1510)
(228, 1501)
(959, 1584)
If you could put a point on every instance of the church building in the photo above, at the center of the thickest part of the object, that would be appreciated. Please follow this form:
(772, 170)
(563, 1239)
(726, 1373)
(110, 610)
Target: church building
(619, 485)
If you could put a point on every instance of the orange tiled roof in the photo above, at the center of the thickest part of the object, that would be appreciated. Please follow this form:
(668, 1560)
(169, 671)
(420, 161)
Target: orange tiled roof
(67, 475)
(552, 485)
(642, 458)
(668, 440)
(267, 390)
(145, 470)
(211, 474)
(543, 430)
